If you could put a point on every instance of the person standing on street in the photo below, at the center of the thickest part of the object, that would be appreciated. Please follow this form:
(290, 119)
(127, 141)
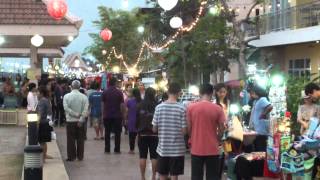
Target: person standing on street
(147, 139)
(45, 113)
(113, 114)
(76, 107)
(32, 97)
(206, 122)
(169, 121)
(132, 118)
(95, 111)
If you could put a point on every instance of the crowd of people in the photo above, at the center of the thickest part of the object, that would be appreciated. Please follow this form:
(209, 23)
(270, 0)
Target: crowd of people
(160, 129)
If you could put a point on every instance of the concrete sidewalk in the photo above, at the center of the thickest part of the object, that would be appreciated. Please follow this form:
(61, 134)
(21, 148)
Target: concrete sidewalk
(54, 169)
(97, 165)
(12, 140)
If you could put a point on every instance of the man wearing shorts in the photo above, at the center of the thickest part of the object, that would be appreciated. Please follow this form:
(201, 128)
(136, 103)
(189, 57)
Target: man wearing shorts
(170, 122)
(95, 99)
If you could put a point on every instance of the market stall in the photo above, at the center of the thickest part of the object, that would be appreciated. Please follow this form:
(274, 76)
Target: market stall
(285, 156)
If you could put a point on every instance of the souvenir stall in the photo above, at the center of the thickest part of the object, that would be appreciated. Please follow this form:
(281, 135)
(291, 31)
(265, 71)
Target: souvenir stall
(285, 157)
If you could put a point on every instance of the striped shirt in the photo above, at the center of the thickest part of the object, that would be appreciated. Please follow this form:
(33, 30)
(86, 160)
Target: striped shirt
(170, 119)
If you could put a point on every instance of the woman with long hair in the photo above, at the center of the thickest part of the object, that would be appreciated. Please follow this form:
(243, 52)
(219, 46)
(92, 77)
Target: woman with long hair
(222, 98)
(132, 117)
(45, 113)
(147, 139)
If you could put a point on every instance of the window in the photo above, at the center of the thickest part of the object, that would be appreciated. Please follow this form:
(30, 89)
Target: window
(300, 67)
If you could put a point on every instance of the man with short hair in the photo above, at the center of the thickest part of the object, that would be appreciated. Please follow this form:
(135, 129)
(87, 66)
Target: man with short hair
(312, 90)
(206, 122)
(95, 99)
(170, 122)
(76, 107)
(113, 114)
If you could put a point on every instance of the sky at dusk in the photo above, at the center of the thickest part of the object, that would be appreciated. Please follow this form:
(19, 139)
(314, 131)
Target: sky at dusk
(87, 10)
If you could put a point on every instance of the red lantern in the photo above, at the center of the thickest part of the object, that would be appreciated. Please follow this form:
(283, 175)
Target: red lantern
(57, 9)
(106, 34)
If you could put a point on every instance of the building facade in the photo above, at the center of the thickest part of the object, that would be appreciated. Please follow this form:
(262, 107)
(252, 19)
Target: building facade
(290, 36)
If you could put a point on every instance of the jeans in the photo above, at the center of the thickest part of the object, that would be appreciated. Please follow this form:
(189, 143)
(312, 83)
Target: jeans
(113, 125)
(211, 164)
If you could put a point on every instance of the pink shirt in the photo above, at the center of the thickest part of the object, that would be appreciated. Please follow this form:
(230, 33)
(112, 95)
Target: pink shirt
(204, 118)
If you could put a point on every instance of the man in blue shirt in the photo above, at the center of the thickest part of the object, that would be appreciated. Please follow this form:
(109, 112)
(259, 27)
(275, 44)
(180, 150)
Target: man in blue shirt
(260, 118)
(95, 99)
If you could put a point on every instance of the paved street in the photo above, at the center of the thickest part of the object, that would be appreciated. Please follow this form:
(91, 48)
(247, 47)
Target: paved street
(97, 165)
(12, 141)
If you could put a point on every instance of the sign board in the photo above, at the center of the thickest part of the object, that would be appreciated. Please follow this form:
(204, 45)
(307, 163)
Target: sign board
(34, 73)
(148, 80)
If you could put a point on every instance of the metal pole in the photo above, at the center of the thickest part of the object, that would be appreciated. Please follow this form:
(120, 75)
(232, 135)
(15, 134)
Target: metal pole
(33, 133)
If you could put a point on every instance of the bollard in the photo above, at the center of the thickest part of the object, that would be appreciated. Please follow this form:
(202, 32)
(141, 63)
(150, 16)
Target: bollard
(33, 162)
(32, 119)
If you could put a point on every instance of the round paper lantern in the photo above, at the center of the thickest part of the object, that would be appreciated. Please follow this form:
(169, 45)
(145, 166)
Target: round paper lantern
(106, 34)
(176, 22)
(37, 40)
(57, 9)
(167, 4)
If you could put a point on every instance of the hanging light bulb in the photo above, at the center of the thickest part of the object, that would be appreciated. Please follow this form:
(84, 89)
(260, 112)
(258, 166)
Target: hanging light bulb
(167, 4)
(176, 22)
(37, 40)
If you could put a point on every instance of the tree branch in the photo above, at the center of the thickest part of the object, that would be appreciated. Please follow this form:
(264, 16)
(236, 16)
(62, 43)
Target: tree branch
(250, 10)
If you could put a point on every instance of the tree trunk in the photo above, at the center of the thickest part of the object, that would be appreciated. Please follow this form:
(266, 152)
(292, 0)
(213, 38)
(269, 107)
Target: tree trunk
(184, 67)
(242, 60)
(221, 76)
(214, 77)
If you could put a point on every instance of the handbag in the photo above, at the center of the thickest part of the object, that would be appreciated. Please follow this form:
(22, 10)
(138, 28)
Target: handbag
(235, 131)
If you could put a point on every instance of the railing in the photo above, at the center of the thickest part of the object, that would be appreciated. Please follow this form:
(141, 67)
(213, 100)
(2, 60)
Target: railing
(297, 17)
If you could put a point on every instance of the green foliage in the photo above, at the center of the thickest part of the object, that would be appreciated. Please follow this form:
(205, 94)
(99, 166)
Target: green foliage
(295, 85)
(206, 49)
(125, 38)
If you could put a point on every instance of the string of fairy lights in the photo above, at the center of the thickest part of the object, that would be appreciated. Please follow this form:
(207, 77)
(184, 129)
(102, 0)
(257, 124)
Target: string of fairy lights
(156, 48)
(132, 69)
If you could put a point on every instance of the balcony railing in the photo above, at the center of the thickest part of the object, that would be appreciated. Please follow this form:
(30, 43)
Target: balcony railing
(297, 17)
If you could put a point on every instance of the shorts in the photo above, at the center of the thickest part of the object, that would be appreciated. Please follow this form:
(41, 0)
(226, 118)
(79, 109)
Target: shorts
(173, 166)
(96, 121)
(148, 143)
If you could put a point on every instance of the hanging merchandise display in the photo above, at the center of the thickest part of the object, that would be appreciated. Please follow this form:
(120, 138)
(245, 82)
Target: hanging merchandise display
(57, 9)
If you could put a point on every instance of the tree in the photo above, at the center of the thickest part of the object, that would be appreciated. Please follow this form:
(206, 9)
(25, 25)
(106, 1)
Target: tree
(126, 39)
(240, 32)
(206, 50)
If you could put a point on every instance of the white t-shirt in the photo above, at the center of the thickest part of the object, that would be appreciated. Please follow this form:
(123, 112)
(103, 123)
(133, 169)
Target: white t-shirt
(32, 101)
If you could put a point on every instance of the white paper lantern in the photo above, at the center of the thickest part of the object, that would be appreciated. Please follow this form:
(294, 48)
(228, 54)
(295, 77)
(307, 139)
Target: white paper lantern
(2, 40)
(70, 38)
(37, 40)
(167, 4)
(176, 22)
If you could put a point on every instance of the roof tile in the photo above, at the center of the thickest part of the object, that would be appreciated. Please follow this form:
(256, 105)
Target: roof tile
(27, 12)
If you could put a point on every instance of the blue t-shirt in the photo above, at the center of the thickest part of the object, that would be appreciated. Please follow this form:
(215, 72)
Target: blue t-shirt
(261, 126)
(95, 103)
